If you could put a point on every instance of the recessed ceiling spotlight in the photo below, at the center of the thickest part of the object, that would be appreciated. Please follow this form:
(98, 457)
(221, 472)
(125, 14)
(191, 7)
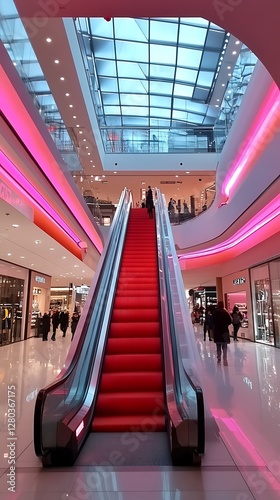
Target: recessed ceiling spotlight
(115, 172)
(48, 40)
(9, 254)
(84, 140)
(234, 52)
(88, 153)
(70, 105)
(56, 61)
(62, 78)
(15, 225)
(51, 248)
(67, 94)
(74, 116)
(37, 242)
(237, 42)
(77, 126)
(80, 132)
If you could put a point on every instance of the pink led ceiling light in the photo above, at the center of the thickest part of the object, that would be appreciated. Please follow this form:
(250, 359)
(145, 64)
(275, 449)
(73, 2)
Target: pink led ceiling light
(265, 125)
(10, 172)
(17, 115)
(263, 218)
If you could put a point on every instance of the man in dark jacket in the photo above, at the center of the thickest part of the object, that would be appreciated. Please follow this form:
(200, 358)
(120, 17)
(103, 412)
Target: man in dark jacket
(221, 322)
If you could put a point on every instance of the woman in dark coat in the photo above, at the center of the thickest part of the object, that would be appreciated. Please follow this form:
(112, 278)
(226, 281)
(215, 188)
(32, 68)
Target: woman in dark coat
(46, 325)
(74, 321)
(221, 322)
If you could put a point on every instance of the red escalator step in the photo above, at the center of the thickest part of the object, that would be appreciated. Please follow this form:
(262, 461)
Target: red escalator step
(131, 381)
(132, 362)
(139, 329)
(150, 345)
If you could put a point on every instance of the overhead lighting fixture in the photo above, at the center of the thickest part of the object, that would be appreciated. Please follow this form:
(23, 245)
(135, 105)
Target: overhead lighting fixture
(48, 40)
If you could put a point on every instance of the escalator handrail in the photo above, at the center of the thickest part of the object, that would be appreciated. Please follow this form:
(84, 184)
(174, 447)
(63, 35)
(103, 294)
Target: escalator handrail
(105, 259)
(165, 234)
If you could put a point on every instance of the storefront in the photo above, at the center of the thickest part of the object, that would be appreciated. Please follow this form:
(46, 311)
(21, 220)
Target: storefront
(236, 290)
(13, 293)
(265, 285)
(39, 300)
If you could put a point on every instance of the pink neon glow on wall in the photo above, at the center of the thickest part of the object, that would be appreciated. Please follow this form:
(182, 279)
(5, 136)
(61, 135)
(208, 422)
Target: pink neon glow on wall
(9, 171)
(18, 116)
(266, 122)
(268, 214)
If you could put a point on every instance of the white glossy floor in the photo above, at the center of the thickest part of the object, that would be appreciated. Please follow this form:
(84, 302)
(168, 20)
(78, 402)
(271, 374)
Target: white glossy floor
(242, 463)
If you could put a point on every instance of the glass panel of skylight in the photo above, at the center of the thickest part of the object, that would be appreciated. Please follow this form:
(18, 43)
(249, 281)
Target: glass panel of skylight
(160, 112)
(103, 48)
(186, 75)
(31, 69)
(161, 88)
(134, 100)
(189, 58)
(181, 104)
(129, 121)
(165, 72)
(40, 86)
(182, 90)
(128, 29)
(192, 118)
(209, 60)
(216, 27)
(163, 32)
(136, 86)
(132, 51)
(159, 122)
(162, 55)
(105, 67)
(180, 115)
(108, 98)
(128, 69)
(112, 110)
(108, 84)
(200, 94)
(135, 111)
(100, 27)
(190, 35)
(205, 78)
(162, 102)
(195, 21)
(113, 121)
(215, 39)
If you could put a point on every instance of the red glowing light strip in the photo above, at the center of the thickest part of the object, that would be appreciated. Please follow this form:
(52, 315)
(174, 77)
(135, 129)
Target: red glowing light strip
(17, 114)
(257, 140)
(9, 171)
(270, 212)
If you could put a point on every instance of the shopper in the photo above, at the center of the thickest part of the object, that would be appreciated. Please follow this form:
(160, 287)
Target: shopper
(236, 321)
(64, 321)
(150, 202)
(221, 322)
(46, 325)
(55, 323)
(208, 324)
(74, 321)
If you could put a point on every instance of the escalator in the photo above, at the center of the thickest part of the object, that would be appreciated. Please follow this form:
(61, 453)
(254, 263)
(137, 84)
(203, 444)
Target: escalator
(128, 368)
(131, 391)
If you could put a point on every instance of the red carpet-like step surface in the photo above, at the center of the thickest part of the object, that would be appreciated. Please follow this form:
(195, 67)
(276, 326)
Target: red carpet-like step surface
(131, 396)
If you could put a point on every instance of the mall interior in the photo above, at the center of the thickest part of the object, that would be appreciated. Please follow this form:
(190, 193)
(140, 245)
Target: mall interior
(97, 104)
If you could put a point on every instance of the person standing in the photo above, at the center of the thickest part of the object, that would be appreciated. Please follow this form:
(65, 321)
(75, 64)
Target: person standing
(74, 321)
(208, 324)
(55, 323)
(64, 321)
(149, 202)
(46, 325)
(221, 322)
(236, 321)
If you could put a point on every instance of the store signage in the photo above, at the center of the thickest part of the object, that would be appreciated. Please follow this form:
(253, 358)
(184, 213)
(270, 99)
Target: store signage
(239, 281)
(40, 279)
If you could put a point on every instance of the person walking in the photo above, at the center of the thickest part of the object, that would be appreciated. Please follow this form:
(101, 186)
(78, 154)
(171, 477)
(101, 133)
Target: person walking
(74, 321)
(149, 202)
(221, 322)
(64, 321)
(55, 323)
(208, 324)
(46, 325)
(236, 321)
